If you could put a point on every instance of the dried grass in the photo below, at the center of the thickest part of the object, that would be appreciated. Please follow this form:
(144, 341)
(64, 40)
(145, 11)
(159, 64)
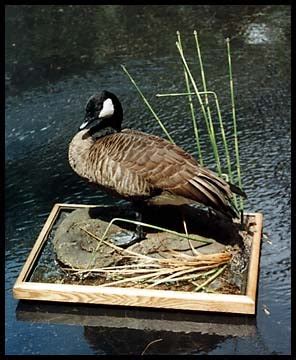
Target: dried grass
(149, 271)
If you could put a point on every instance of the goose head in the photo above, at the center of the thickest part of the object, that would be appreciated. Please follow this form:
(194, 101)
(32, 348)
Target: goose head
(103, 110)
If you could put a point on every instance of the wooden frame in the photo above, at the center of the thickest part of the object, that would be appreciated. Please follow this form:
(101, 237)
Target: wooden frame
(243, 304)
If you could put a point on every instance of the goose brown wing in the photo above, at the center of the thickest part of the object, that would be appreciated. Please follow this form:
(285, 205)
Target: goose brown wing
(167, 167)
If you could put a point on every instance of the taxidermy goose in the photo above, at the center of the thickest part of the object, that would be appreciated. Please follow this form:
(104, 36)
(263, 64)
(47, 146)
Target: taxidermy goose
(140, 167)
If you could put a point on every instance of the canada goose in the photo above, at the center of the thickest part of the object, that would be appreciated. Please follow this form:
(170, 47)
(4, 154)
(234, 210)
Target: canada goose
(140, 167)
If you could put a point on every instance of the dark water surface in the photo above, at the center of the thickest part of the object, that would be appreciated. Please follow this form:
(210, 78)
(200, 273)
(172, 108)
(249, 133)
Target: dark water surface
(56, 57)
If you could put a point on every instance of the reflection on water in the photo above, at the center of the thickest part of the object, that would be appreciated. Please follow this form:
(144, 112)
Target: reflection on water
(110, 330)
(57, 56)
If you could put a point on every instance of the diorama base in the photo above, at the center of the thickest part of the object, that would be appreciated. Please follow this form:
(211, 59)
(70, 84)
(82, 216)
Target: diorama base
(28, 289)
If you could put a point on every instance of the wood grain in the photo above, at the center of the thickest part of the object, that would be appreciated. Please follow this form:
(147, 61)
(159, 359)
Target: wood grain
(135, 297)
(38, 244)
(255, 258)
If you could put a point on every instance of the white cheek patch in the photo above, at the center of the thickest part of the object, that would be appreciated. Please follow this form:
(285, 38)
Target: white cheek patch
(108, 109)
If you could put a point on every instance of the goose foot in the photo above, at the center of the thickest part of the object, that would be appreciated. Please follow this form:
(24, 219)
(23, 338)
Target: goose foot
(127, 238)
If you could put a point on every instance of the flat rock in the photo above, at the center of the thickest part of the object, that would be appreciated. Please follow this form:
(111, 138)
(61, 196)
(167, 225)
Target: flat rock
(76, 249)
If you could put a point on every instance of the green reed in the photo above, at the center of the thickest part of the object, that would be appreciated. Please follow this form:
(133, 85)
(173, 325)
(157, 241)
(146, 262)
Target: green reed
(148, 105)
(209, 124)
(203, 99)
(194, 122)
(234, 122)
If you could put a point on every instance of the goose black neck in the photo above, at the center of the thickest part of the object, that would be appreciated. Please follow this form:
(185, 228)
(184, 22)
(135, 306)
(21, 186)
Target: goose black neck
(105, 127)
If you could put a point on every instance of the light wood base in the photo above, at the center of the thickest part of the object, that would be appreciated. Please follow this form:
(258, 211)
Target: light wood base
(243, 304)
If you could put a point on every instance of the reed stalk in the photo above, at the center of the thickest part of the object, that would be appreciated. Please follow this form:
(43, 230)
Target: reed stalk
(227, 155)
(204, 85)
(228, 162)
(148, 105)
(234, 121)
(195, 237)
(194, 122)
(209, 125)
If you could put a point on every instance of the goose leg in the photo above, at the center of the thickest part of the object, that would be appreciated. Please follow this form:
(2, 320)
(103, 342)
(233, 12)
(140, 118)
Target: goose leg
(184, 220)
(139, 228)
(127, 238)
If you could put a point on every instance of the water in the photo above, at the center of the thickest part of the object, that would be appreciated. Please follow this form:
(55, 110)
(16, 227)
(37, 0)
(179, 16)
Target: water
(56, 57)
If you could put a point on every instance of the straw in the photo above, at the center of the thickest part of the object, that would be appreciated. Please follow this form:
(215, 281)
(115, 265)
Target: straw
(210, 279)
(152, 269)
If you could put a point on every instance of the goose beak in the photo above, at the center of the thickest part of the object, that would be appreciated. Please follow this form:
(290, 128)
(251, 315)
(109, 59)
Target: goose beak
(87, 121)
(83, 125)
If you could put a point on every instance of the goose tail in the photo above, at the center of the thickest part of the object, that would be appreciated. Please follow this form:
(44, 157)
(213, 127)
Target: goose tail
(236, 190)
(218, 194)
